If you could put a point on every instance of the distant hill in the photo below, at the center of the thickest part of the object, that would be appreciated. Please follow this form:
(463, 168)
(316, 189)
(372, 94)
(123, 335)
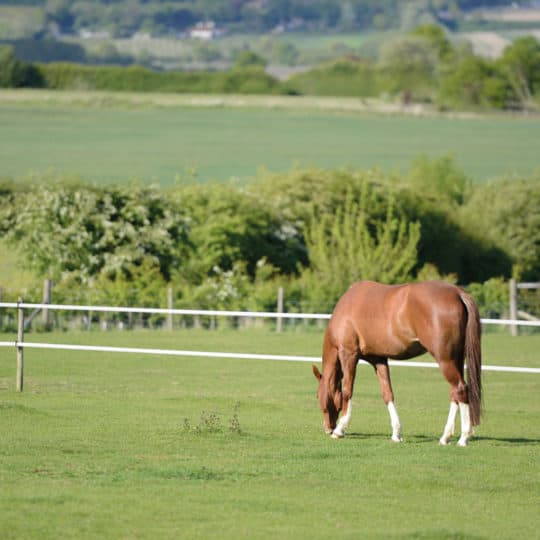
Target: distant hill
(124, 18)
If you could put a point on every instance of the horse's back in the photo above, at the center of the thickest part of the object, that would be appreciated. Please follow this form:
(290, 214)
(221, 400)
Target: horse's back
(396, 321)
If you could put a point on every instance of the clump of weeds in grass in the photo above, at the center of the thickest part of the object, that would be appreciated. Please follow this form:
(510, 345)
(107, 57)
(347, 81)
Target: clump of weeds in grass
(211, 423)
(234, 424)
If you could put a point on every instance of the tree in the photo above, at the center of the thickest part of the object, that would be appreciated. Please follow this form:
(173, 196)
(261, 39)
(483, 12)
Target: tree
(230, 226)
(436, 35)
(79, 233)
(440, 179)
(409, 64)
(17, 74)
(475, 82)
(508, 213)
(350, 246)
(248, 58)
(521, 63)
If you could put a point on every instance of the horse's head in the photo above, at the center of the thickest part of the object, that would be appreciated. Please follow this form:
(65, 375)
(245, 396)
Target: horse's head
(329, 394)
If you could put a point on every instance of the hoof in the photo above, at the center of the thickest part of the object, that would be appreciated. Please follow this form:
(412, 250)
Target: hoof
(337, 435)
(462, 443)
(444, 442)
(396, 439)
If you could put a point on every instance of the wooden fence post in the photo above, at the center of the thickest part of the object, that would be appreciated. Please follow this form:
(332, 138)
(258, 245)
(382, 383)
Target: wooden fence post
(279, 320)
(20, 351)
(514, 330)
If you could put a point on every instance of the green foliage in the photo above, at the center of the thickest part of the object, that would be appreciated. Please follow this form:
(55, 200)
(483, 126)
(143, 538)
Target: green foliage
(77, 233)
(350, 246)
(342, 77)
(313, 232)
(409, 65)
(16, 74)
(142, 284)
(492, 297)
(474, 82)
(250, 80)
(230, 225)
(440, 179)
(248, 58)
(521, 63)
(122, 18)
(507, 212)
(436, 35)
(49, 50)
(445, 190)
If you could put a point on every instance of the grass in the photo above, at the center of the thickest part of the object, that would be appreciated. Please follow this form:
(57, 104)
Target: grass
(109, 137)
(126, 446)
(19, 21)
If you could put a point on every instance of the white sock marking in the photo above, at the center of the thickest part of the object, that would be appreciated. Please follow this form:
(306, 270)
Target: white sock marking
(396, 424)
(466, 431)
(449, 428)
(343, 422)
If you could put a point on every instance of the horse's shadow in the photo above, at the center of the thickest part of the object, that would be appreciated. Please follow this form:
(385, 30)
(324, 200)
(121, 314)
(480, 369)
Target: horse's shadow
(423, 439)
(511, 440)
(386, 437)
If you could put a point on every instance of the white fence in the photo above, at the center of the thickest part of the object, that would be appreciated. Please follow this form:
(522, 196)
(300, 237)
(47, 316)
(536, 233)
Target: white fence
(19, 344)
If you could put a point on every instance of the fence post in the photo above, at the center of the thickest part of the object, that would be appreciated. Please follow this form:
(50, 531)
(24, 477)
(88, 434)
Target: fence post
(20, 351)
(170, 304)
(513, 306)
(279, 320)
(1, 321)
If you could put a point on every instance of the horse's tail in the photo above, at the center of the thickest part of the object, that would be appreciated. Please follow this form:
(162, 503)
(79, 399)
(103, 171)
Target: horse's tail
(473, 355)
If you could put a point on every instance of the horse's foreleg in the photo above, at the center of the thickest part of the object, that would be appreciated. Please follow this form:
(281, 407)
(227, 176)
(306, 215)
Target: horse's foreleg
(383, 374)
(348, 364)
(343, 423)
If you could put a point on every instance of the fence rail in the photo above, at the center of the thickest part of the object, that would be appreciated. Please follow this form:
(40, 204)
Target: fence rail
(226, 355)
(214, 313)
(19, 344)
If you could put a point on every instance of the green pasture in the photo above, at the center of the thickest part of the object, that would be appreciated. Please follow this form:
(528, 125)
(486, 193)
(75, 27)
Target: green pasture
(105, 138)
(138, 446)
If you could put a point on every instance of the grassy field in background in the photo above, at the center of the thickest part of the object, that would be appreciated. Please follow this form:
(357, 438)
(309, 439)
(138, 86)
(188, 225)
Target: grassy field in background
(133, 446)
(108, 138)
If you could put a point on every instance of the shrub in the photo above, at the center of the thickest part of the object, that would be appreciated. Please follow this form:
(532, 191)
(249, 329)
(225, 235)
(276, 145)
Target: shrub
(474, 82)
(17, 74)
(343, 77)
(252, 80)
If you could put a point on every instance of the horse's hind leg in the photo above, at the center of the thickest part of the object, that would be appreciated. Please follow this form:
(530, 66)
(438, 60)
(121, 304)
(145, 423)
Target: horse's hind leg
(449, 429)
(383, 374)
(458, 400)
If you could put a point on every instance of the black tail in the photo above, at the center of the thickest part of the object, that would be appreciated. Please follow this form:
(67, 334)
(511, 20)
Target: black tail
(473, 355)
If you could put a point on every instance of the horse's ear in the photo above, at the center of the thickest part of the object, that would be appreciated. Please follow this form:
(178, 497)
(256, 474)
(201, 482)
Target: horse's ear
(316, 372)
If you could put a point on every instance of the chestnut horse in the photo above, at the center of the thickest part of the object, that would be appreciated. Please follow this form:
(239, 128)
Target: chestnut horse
(374, 322)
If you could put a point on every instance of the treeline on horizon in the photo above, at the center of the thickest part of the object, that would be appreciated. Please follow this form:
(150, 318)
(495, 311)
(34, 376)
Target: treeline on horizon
(123, 18)
(422, 66)
(313, 232)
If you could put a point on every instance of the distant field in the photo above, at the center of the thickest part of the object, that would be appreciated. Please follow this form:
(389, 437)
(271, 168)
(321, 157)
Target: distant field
(131, 446)
(19, 21)
(114, 137)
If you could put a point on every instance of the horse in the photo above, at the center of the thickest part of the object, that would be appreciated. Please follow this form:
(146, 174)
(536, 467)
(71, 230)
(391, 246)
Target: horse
(374, 322)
